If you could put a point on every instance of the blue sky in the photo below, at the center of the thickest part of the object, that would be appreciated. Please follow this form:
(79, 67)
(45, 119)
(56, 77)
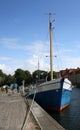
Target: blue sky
(24, 34)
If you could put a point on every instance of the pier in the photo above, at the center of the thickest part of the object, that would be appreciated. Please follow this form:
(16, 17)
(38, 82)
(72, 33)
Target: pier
(15, 114)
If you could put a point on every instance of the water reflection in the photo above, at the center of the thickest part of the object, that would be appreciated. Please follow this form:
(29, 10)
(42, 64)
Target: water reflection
(69, 118)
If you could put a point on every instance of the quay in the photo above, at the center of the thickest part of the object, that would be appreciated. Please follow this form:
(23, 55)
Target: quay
(12, 111)
(44, 120)
(16, 115)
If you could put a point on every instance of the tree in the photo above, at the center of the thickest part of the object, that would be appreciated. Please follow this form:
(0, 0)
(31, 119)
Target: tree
(19, 76)
(54, 75)
(1, 81)
(39, 75)
(28, 77)
(2, 78)
(9, 79)
(1, 73)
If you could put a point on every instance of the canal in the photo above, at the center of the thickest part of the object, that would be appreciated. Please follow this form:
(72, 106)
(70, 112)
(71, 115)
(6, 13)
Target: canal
(70, 117)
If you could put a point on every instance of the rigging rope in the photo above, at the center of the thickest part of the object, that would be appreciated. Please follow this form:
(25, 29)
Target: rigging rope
(59, 59)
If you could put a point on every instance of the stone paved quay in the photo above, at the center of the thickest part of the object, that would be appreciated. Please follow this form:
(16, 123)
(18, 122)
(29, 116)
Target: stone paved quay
(16, 113)
(12, 111)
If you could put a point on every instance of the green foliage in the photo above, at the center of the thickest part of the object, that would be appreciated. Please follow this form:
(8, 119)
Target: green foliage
(2, 78)
(1, 81)
(9, 79)
(1, 73)
(21, 75)
(39, 74)
(54, 75)
(28, 77)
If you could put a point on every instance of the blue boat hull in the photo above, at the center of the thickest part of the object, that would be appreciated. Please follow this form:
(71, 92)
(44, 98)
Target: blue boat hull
(53, 98)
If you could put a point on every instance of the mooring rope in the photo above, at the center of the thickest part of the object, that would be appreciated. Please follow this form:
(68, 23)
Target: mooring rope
(28, 110)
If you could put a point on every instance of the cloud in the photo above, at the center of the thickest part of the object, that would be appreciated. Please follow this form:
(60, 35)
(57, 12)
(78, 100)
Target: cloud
(66, 62)
(37, 51)
(9, 42)
(7, 69)
(14, 43)
(34, 64)
(4, 58)
(37, 47)
(72, 61)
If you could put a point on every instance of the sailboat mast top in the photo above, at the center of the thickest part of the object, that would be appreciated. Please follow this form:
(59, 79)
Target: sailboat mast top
(51, 61)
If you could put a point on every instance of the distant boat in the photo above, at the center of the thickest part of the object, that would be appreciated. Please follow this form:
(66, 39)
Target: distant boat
(54, 94)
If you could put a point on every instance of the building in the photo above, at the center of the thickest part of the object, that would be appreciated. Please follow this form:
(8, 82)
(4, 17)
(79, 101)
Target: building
(73, 75)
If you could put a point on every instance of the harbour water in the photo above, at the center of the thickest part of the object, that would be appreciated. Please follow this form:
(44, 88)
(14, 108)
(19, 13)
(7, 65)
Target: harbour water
(69, 118)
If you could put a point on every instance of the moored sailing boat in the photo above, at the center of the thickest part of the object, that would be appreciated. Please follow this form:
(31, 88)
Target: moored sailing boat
(54, 94)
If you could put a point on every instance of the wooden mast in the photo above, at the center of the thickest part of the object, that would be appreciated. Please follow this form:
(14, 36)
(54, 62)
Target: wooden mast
(51, 65)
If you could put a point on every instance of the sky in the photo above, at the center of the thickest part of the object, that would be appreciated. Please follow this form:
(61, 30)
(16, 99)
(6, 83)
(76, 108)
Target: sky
(24, 34)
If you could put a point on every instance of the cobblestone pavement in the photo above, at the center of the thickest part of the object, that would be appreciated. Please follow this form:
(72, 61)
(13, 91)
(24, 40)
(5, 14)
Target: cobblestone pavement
(12, 111)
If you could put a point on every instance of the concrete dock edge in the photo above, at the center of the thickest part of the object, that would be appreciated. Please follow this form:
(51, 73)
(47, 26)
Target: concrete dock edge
(44, 120)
